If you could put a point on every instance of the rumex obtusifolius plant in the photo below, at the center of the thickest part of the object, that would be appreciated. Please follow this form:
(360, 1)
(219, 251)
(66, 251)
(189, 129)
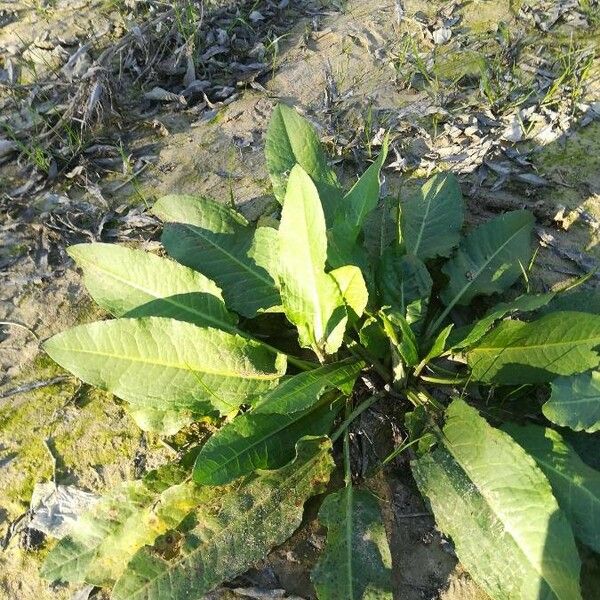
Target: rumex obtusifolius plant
(284, 333)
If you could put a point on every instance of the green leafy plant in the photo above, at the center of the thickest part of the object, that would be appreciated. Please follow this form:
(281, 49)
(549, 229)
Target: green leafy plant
(282, 334)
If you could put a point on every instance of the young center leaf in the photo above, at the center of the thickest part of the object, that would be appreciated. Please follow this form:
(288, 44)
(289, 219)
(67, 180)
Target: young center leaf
(135, 283)
(489, 259)
(119, 524)
(215, 240)
(292, 140)
(265, 437)
(576, 486)
(311, 298)
(230, 534)
(356, 563)
(166, 364)
(351, 215)
(514, 352)
(430, 221)
(489, 496)
(575, 402)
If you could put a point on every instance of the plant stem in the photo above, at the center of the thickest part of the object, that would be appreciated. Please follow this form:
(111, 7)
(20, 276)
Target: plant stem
(443, 381)
(401, 448)
(347, 467)
(355, 413)
(422, 398)
(361, 352)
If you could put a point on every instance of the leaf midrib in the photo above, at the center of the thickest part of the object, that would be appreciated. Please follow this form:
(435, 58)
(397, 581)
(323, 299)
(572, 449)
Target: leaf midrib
(569, 343)
(255, 273)
(172, 366)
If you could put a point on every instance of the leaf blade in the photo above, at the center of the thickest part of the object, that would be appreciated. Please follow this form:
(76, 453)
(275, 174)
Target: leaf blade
(135, 283)
(576, 486)
(233, 533)
(292, 140)
(575, 402)
(311, 298)
(166, 364)
(430, 222)
(265, 437)
(215, 240)
(498, 507)
(356, 562)
(487, 260)
(514, 352)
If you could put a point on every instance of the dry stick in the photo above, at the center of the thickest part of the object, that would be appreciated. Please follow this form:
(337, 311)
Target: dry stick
(34, 385)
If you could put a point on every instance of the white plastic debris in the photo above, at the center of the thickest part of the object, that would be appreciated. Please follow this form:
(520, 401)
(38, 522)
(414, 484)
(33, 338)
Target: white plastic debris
(56, 508)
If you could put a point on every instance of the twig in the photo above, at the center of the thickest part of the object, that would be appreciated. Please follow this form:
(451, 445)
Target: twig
(33, 385)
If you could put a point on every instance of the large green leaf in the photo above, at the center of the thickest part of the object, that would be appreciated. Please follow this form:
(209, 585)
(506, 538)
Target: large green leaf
(231, 534)
(575, 485)
(430, 222)
(292, 140)
(265, 437)
(311, 298)
(470, 334)
(560, 343)
(134, 283)
(575, 402)
(489, 496)
(119, 524)
(405, 285)
(489, 259)
(217, 241)
(356, 562)
(166, 364)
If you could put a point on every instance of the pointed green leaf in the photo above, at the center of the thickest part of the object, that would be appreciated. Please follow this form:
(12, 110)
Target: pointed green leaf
(575, 485)
(300, 392)
(166, 364)
(470, 334)
(405, 285)
(560, 343)
(311, 298)
(215, 240)
(488, 495)
(292, 140)
(356, 562)
(362, 199)
(489, 259)
(230, 534)
(265, 437)
(439, 344)
(575, 402)
(353, 288)
(257, 440)
(431, 221)
(119, 524)
(135, 283)
(401, 336)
